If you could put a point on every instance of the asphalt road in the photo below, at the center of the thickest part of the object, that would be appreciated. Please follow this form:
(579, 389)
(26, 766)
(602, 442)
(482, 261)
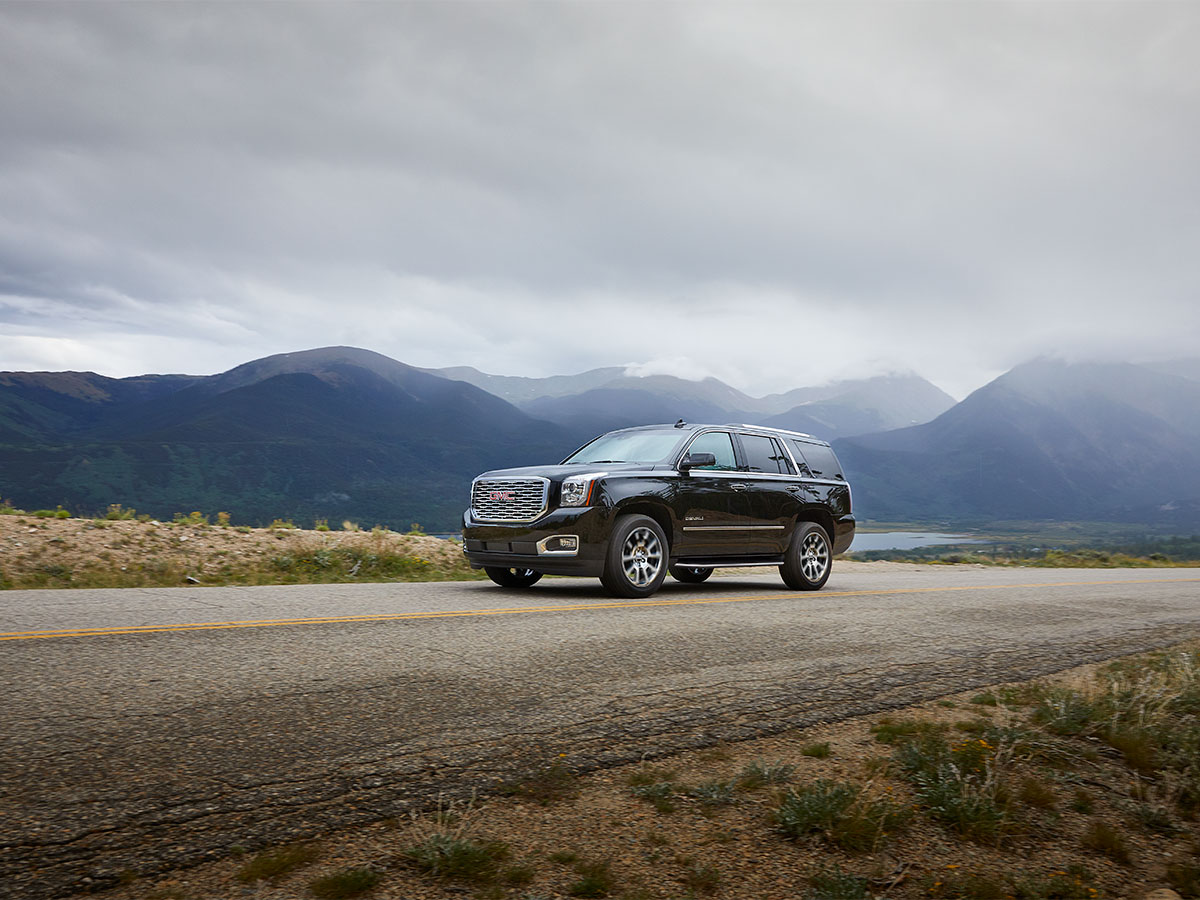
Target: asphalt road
(145, 729)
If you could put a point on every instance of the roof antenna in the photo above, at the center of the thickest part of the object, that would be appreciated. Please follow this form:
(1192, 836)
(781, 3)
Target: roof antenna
(680, 423)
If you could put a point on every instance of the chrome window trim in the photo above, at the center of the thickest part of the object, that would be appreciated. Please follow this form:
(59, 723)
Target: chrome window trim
(760, 431)
(733, 473)
(687, 448)
(753, 431)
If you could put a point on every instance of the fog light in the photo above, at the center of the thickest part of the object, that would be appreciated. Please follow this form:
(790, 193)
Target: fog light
(559, 545)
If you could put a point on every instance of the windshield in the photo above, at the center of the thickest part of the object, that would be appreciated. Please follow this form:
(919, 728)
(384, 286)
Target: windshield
(627, 446)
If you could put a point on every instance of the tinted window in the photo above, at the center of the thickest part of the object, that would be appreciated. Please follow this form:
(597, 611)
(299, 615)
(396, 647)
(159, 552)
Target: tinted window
(720, 445)
(763, 454)
(628, 446)
(820, 460)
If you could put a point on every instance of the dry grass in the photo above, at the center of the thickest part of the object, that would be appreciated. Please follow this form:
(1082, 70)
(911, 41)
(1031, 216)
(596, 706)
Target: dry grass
(1033, 803)
(65, 553)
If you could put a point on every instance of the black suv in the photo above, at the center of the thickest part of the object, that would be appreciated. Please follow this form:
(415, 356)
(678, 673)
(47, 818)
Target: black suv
(635, 504)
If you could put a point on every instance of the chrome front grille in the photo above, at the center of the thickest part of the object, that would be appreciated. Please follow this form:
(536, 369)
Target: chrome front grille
(509, 499)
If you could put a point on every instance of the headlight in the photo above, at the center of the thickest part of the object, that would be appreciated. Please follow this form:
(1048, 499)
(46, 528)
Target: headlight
(577, 490)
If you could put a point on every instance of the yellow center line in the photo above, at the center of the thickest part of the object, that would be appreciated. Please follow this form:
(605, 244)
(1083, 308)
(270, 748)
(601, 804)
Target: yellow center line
(521, 610)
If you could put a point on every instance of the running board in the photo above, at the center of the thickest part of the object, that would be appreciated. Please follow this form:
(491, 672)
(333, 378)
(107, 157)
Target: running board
(725, 562)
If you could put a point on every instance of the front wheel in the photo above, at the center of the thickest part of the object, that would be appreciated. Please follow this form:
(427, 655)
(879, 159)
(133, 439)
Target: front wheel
(512, 578)
(689, 574)
(808, 561)
(635, 563)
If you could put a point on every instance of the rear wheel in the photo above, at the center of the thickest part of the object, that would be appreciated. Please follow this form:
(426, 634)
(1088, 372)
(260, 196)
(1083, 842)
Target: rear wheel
(635, 564)
(512, 578)
(689, 574)
(809, 559)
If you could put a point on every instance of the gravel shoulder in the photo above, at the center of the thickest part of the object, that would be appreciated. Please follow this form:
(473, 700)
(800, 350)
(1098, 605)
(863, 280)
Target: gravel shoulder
(717, 837)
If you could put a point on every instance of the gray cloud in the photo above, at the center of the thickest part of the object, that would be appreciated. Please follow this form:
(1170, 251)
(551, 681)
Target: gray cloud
(761, 191)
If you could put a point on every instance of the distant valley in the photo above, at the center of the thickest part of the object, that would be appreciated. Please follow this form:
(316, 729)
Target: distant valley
(342, 433)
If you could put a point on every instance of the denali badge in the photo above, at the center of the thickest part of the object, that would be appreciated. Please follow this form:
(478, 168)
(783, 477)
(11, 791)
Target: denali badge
(502, 495)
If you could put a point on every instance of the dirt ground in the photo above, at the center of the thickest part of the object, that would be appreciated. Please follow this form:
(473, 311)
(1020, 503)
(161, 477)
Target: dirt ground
(554, 825)
(48, 552)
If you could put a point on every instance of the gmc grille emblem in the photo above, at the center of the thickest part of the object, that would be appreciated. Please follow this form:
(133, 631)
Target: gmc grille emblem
(497, 496)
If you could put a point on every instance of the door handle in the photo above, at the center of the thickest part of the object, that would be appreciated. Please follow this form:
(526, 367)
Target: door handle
(794, 488)
(737, 487)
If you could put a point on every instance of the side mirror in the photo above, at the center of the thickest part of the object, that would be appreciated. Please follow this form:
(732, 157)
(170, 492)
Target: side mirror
(697, 461)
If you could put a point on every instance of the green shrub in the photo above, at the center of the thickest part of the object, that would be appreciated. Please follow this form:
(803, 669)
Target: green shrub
(456, 856)
(1073, 884)
(893, 731)
(837, 885)
(712, 793)
(758, 774)
(277, 862)
(1037, 794)
(1106, 840)
(839, 812)
(595, 879)
(958, 785)
(1065, 712)
(345, 883)
(660, 794)
(1082, 802)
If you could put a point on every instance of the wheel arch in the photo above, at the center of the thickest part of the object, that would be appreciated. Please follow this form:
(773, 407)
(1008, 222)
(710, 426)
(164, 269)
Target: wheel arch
(819, 516)
(656, 511)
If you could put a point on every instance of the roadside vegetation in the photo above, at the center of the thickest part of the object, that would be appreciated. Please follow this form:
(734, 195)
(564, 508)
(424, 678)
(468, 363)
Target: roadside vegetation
(1044, 544)
(1081, 558)
(1081, 786)
(121, 548)
(48, 549)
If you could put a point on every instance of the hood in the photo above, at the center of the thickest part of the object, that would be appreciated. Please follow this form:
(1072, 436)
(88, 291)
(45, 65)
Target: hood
(559, 472)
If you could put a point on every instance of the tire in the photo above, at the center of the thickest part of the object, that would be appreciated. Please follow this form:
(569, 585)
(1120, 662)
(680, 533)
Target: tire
(809, 559)
(689, 574)
(512, 578)
(635, 563)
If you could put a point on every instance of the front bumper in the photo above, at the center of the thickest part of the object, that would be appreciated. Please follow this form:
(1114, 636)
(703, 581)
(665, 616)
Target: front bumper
(516, 546)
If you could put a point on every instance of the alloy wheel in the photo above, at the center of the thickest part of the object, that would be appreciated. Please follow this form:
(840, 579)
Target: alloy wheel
(641, 557)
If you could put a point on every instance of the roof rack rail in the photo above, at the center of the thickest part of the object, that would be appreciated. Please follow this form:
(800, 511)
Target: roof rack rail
(769, 428)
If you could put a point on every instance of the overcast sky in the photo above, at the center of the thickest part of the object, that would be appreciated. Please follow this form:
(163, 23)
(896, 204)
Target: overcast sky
(776, 194)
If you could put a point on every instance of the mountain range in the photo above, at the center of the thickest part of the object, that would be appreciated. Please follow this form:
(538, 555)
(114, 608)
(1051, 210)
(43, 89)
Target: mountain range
(1047, 440)
(602, 399)
(343, 433)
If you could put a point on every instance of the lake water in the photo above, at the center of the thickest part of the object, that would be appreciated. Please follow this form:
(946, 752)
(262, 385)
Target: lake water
(906, 540)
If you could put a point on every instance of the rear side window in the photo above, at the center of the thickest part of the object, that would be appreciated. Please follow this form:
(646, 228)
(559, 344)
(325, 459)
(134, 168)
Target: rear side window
(763, 454)
(819, 460)
(720, 445)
